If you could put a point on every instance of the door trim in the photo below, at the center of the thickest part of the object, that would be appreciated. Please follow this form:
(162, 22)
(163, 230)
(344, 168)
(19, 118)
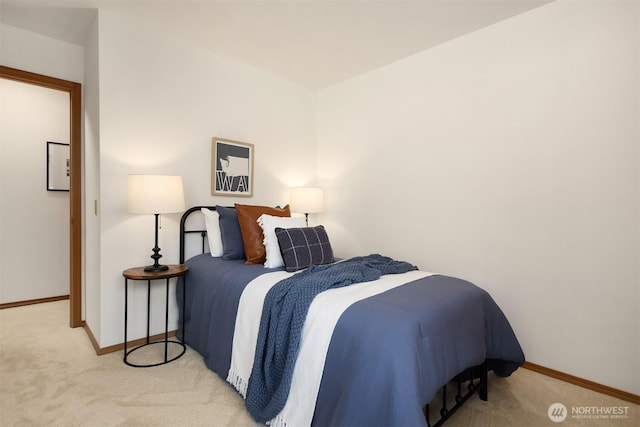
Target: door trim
(75, 185)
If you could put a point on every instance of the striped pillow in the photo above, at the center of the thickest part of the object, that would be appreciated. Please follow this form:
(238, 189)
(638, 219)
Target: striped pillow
(303, 247)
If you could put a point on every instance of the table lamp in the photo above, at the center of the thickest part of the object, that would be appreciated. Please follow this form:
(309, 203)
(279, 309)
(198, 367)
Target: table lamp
(306, 200)
(155, 194)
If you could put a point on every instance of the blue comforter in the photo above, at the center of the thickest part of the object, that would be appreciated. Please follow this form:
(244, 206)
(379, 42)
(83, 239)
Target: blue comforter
(285, 309)
(389, 353)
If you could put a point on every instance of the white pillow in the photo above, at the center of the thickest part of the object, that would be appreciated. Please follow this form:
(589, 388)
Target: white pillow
(269, 224)
(212, 224)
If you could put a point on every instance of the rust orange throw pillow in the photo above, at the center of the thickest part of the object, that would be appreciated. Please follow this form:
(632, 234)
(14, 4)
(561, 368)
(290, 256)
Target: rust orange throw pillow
(252, 236)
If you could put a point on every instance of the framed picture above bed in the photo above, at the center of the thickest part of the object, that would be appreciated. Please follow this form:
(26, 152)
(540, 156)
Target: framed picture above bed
(231, 168)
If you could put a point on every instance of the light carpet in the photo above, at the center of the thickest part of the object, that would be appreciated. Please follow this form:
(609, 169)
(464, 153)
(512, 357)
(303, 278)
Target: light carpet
(51, 376)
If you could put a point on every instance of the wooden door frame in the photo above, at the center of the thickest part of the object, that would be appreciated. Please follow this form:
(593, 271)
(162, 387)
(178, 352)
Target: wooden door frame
(75, 185)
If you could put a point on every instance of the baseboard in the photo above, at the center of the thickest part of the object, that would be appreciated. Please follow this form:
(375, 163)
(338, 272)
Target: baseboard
(92, 338)
(33, 301)
(581, 382)
(120, 347)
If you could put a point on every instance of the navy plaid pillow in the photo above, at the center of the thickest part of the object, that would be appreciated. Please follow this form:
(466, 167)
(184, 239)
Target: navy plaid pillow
(303, 247)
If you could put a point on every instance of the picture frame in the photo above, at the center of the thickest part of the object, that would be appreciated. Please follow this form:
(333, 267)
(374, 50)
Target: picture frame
(58, 166)
(231, 168)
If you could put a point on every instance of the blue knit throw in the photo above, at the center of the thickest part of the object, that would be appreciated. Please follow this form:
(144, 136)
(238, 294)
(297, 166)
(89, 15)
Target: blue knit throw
(283, 315)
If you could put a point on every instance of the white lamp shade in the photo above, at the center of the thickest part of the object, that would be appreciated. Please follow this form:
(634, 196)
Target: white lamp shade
(155, 194)
(306, 199)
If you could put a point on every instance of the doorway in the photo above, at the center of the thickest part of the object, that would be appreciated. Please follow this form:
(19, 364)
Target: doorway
(75, 180)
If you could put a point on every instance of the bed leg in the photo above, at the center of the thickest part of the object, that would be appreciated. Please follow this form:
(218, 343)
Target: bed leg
(483, 392)
(444, 411)
(426, 414)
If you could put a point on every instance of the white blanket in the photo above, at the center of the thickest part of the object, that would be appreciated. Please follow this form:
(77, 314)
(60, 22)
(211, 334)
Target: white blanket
(245, 334)
(323, 315)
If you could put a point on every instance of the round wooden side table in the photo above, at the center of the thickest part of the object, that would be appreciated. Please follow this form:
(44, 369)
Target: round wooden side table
(138, 273)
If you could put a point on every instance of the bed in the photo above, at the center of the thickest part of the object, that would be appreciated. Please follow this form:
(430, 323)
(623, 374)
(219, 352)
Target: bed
(368, 354)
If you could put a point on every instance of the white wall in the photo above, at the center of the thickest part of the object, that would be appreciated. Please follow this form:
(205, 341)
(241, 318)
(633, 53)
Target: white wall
(25, 204)
(34, 231)
(36, 53)
(508, 157)
(91, 182)
(160, 104)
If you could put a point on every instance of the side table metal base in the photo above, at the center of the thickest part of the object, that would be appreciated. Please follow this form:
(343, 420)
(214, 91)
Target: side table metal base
(166, 360)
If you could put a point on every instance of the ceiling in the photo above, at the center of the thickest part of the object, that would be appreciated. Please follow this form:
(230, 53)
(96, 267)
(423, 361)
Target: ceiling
(313, 43)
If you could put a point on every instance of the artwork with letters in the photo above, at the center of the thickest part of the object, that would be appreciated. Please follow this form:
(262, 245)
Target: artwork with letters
(231, 168)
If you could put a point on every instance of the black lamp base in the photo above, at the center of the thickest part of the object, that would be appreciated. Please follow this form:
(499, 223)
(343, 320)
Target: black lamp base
(156, 267)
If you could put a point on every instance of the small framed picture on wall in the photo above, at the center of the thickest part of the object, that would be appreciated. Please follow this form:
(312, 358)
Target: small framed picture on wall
(58, 166)
(231, 168)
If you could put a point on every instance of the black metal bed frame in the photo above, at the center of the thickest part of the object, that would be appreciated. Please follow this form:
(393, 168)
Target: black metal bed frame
(476, 378)
(468, 376)
(184, 231)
